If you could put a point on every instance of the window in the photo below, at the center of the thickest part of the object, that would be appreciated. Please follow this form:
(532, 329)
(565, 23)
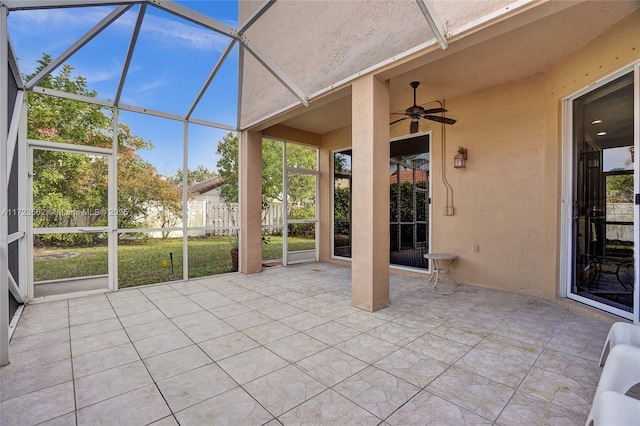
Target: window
(342, 204)
(409, 168)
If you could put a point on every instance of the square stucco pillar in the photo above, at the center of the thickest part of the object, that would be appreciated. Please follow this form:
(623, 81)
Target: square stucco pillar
(370, 199)
(250, 153)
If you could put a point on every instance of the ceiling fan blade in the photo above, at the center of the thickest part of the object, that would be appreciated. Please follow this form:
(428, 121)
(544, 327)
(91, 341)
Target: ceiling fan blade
(434, 111)
(414, 127)
(399, 113)
(445, 120)
(397, 121)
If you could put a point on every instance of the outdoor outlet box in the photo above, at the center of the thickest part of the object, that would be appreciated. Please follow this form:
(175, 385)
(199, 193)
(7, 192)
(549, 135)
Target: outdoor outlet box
(476, 247)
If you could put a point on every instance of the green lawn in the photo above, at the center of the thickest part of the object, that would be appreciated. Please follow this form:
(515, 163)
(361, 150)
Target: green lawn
(146, 262)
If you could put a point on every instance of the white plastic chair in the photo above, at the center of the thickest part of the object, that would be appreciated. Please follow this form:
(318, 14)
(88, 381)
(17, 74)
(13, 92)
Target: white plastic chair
(614, 409)
(622, 370)
(620, 333)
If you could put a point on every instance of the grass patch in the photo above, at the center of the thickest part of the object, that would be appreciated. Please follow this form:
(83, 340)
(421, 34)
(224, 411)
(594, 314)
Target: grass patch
(143, 262)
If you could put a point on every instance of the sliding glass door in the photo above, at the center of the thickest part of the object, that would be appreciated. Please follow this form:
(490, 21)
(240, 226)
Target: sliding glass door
(604, 228)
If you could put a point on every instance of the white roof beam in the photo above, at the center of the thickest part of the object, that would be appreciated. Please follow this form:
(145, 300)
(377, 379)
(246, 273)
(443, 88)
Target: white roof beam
(240, 77)
(195, 17)
(15, 69)
(260, 57)
(256, 15)
(213, 73)
(275, 71)
(212, 124)
(115, 14)
(12, 137)
(210, 23)
(434, 22)
(73, 96)
(14, 289)
(132, 46)
(132, 108)
(486, 19)
(54, 4)
(176, 117)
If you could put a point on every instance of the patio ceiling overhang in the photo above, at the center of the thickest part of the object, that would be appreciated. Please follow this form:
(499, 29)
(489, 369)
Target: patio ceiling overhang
(495, 49)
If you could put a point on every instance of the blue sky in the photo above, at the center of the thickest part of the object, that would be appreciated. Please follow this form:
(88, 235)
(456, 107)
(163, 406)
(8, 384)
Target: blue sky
(172, 60)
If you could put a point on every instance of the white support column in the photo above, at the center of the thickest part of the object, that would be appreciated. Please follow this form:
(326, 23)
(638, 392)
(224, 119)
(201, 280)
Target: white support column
(25, 245)
(636, 187)
(112, 204)
(185, 201)
(370, 199)
(250, 197)
(4, 224)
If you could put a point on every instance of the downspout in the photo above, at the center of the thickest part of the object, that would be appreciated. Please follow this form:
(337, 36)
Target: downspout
(448, 208)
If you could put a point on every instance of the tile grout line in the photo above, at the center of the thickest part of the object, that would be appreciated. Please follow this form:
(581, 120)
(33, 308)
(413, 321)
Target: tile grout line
(517, 389)
(73, 378)
(212, 360)
(142, 361)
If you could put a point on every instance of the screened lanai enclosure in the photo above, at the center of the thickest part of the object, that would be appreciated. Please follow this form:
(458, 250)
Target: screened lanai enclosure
(110, 184)
(162, 141)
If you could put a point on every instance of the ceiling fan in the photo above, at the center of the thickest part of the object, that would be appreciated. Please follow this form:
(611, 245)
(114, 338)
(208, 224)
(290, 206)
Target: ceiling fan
(416, 112)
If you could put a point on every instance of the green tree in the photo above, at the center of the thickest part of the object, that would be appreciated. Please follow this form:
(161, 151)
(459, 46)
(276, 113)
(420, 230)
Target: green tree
(72, 188)
(63, 120)
(619, 188)
(301, 188)
(199, 174)
(228, 167)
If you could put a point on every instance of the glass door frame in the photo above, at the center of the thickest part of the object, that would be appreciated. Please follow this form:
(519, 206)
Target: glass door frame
(568, 209)
(429, 210)
(110, 229)
(636, 191)
(285, 211)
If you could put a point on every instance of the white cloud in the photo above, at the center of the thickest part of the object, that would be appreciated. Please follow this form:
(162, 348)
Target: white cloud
(50, 20)
(151, 85)
(102, 74)
(64, 23)
(182, 35)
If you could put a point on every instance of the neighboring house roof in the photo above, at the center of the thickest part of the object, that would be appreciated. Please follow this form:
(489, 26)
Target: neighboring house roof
(206, 185)
(407, 176)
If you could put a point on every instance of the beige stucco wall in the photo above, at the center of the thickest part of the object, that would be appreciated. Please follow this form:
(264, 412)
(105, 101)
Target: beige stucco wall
(508, 199)
(499, 197)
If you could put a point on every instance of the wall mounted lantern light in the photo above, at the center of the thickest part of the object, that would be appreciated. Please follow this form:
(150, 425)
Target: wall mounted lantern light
(459, 161)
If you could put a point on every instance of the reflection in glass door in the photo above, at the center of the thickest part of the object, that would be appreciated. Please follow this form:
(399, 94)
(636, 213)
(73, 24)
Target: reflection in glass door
(603, 204)
(300, 218)
(409, 168)
(300, 234)
(70, 199)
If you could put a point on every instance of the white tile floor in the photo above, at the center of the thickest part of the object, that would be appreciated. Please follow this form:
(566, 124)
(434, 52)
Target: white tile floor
(286, 347)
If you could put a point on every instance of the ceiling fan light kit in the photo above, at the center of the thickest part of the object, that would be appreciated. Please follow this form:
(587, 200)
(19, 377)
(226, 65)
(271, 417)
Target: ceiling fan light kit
(416, 112)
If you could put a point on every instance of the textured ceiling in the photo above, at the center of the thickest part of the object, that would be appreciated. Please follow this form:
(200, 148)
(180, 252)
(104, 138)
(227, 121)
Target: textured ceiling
(469, 65)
